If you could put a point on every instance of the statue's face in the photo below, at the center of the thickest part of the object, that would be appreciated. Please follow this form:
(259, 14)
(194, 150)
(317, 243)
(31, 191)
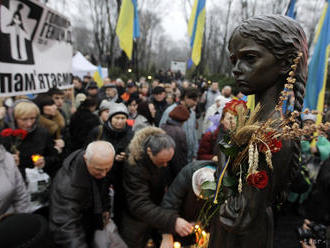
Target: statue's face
(255, 67)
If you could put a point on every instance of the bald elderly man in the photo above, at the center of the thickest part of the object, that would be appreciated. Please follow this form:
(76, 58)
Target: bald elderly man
(79, 199)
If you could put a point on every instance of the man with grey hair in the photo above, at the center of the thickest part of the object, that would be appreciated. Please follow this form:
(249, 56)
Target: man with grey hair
(145, 182)
(78, 200)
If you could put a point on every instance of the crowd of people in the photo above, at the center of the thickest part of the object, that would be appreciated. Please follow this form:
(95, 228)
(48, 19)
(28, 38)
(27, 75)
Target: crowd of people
(112, 154)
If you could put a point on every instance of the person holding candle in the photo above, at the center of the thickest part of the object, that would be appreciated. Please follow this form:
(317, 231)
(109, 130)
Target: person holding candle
(37, 141)
(184, 197)
(78, 204)
(145, 181)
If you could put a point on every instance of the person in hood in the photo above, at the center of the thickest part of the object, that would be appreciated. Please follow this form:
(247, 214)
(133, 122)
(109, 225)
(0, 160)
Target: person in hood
(116, 131)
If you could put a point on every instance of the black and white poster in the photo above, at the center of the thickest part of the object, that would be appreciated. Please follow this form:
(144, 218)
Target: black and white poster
(35, 48)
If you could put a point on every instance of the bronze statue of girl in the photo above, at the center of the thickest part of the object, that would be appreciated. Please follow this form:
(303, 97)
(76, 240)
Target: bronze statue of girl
(262, 50)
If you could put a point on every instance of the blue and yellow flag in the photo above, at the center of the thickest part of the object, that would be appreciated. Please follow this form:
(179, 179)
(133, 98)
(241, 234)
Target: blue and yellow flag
(98, 77)
(196, 29)
(318, 66)
(291, 9)
(128, 26)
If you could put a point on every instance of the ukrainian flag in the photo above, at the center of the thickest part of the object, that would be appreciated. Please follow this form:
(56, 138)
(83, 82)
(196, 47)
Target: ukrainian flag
(196, 29)
(291, 9)
(98, 77)
(318, 67)
(128, 26)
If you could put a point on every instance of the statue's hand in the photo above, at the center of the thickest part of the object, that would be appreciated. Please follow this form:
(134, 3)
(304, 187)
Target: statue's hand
(234, 214)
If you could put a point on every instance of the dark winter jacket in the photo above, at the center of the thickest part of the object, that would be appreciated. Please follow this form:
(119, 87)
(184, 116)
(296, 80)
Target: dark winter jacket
(144, 185)
(180, 158)
(82, 122)
(160, 108)
(120, 140)
(317, 206)
(181, 198)
(39, 142)
(77, 203)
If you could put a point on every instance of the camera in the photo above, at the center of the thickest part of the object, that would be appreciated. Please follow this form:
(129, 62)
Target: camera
(317, 232)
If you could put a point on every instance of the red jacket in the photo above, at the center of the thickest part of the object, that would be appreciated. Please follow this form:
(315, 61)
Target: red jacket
(207, 145)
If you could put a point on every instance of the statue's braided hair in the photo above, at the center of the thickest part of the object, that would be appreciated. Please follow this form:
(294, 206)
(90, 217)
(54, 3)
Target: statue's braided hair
(284, 38)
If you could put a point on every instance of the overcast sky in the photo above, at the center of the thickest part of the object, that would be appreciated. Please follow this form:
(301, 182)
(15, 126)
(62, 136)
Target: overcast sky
(174, 22)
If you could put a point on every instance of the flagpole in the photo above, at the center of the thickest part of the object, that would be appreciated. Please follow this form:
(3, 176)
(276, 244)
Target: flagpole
(135, 59)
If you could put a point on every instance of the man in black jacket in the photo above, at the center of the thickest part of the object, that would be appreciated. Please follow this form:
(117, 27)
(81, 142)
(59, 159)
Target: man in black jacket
(78, 198)
(145, 181)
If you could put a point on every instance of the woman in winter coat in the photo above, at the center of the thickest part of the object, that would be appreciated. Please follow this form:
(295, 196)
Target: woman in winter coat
(51, 119)
(14, 197)
(116, 131)
(145, 182)
(82, 122)
(146, 116)
(37, 141)
(173, 127)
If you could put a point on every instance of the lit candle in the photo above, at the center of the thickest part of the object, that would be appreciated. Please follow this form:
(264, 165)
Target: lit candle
(35, 157)
(177, 245)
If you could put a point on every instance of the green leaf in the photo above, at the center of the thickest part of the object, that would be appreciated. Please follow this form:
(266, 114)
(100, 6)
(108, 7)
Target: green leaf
(209, 185)
(207, 194)
(228, 181)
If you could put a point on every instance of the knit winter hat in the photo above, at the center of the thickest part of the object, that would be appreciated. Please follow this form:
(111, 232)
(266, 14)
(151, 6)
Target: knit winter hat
(180, 113)
(105, 105)
(117, 108)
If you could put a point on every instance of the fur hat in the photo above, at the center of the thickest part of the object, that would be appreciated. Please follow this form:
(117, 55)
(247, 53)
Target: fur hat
(180, 113)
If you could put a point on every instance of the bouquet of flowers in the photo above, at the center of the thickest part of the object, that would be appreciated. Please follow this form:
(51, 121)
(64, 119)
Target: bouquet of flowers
(15, 136)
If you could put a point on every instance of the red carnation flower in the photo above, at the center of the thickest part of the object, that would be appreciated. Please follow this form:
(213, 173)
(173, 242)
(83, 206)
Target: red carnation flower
(258, 180)
(6, 132)
(21, 133)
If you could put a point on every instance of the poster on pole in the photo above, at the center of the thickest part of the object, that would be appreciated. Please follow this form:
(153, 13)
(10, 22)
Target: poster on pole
(35, 48)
